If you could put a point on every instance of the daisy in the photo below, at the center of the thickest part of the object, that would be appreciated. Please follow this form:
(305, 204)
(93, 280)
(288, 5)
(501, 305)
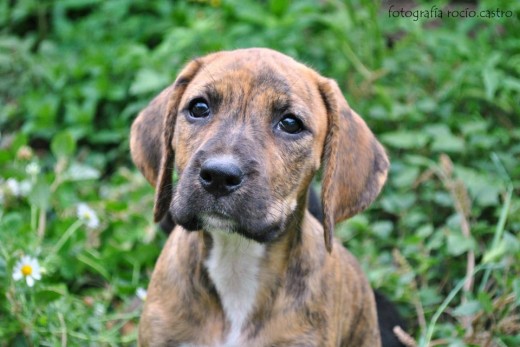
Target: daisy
(32, 169)
(27, 268)
(87, 216)
(18, 188)
(13, 186)
(141, 293)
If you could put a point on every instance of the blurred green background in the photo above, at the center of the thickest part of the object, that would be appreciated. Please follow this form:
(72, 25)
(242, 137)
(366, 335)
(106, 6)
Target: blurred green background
(442, 94)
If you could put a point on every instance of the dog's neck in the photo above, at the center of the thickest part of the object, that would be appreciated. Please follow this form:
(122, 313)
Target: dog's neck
(234, 265)
(244, 273)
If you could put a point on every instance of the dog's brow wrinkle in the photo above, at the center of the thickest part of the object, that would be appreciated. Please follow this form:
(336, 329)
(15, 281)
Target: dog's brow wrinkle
(206, 70)
(280, 105)
(182, 81)
(214, 96)
(268, 81)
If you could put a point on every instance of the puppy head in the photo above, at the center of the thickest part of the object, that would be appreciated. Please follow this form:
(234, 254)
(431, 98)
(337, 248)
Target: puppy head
(249, 129)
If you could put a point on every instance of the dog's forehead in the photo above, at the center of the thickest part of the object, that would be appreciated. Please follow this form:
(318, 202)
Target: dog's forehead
(257, 68)
(256, 58)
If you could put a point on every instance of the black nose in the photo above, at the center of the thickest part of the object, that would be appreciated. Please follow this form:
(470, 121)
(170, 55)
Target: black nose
(221, 176)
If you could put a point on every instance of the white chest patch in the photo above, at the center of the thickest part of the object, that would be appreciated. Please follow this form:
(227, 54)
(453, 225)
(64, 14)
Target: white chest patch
(234, 266)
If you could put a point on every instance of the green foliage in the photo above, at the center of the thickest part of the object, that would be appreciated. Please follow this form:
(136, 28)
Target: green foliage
(442, 94)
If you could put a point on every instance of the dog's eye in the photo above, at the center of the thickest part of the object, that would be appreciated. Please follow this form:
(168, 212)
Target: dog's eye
(290, 124)
(199, 109)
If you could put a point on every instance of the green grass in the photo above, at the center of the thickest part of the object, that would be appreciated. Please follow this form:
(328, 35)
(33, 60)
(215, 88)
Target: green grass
(443, 96)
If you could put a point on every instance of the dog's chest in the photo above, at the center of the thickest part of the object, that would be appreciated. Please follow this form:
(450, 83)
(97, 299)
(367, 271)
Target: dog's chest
(234, 266)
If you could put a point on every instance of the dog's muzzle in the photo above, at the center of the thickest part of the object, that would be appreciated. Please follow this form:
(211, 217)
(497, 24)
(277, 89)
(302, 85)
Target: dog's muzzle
(221, 176)
(228, 193)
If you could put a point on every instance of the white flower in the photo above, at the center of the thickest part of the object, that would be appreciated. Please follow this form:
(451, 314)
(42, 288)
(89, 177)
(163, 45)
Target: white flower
(25, 188)
(87, 216)
(141, 293)
(32, 169)
(99, 309)
(27, 268)
(13, 186)
(18, 188)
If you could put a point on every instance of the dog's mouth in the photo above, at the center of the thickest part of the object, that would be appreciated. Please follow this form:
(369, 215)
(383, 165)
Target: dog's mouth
(210, 220)
(217, 222)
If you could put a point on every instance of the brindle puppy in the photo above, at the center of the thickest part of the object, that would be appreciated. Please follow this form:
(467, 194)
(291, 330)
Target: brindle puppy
(246, 265)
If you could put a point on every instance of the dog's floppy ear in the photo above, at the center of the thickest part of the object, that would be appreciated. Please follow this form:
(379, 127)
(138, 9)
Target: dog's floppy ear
(355, 164)
(146, 136)
(152, 135)
(163, 192)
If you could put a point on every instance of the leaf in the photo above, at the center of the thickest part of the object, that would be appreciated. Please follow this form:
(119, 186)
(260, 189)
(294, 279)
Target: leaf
(63, 144)
(40, 194)
(467, 309)
(3, 267)
(383, 229)
(491, 79)
(457, 343)
(394, 203)
(516, 290)
(486, 302)
(508, 245)
(427, 105)
(50, 293)
(443, 139)
(448, 143)
(512, 84)
(406, 176)
(429, 296)
(459, 244)
(278, 7)
(481, 186)
(436, 241)
(474, 127)
(405, 139)
(81, 172)
(148, 81)
(424, 231)
(20, 140)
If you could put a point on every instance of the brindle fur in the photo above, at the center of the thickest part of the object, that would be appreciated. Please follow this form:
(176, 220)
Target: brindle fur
(311, 293)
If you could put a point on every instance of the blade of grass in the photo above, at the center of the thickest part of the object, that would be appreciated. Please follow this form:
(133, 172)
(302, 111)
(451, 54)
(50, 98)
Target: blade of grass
(66, 235)
(425, 340)
(499, 231)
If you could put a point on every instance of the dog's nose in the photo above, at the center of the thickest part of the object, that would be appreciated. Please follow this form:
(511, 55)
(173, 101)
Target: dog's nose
(221, 176)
